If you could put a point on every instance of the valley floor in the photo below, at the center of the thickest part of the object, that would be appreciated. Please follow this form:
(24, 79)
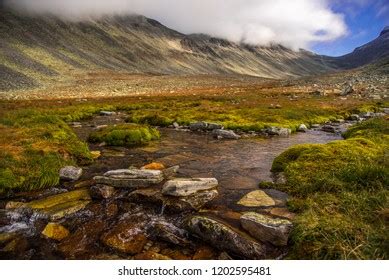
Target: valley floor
(339, 190)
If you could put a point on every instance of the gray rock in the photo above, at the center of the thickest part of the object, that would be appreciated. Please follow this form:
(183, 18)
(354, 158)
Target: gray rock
(198, 126)
(266, 228)
(302, 128)
(170, 172)
(347, 90)
(130, 178)
(329, 128)
(354, 117)
(278, 131)
(176, 125)
(225, 134)
(315, 126)
(225, 237)
(107, 113)
(213, 126)
(186, 187)
(70, 173)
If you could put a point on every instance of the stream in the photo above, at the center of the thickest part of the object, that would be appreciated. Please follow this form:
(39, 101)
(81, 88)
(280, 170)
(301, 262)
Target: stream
(99, 230)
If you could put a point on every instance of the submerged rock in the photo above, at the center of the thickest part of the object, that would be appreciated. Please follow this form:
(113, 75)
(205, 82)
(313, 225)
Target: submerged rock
(266, 228)
(186, 187)
(130, 178)
(224, 237)
(225, 134)
(257, 199)
(55, 231)
(70, 173)
(102, 191)
(82, 243)
(126, 237)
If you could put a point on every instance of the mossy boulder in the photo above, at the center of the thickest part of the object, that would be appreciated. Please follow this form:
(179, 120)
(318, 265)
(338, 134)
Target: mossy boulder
(125, 135)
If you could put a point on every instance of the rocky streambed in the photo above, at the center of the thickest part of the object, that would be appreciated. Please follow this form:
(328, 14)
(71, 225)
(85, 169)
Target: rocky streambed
(188, 196)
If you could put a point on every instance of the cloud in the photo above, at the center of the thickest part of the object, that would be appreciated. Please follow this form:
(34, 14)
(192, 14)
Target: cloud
(296, 24)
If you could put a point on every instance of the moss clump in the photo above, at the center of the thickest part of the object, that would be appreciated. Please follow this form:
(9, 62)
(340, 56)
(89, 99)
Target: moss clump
(125, 135)
(340, 191)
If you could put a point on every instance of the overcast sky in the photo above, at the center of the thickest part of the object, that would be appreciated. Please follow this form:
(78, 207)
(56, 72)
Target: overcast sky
(295, 23)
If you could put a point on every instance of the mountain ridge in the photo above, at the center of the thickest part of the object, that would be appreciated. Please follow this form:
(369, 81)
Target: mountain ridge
(36, 50)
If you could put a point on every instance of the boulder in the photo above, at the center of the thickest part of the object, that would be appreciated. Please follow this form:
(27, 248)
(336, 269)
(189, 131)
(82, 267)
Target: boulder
(354, 117)
(225, 134)
(55, 231)
(302, 128)
(224, 237)
(213, 126)
(170, 203)
(278, 131)
(130, 178)
(266, 228)
(187, 187)
(126, 237)
(70, 173)
(198, 126)
(349, 89)
(257, 199)
(102, 192)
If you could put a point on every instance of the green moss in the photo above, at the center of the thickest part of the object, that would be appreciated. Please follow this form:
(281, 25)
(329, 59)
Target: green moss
(339, 190)
(126, 135)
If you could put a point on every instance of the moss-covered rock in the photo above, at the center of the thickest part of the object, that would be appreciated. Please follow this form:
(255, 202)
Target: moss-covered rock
(125, 135)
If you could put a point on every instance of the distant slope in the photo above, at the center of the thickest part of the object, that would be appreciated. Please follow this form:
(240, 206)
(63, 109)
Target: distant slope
(42, 50)
(368, 53)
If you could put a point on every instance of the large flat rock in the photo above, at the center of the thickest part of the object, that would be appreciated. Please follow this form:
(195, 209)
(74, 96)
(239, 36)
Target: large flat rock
(183, 187)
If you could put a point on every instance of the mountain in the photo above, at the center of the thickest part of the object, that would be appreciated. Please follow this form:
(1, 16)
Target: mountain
(36, 50)
(368, 53)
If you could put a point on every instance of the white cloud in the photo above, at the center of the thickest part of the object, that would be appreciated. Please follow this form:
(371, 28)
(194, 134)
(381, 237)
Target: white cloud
(297, 23)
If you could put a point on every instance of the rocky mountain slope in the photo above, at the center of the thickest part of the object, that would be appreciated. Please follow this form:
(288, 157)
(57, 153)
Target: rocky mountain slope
(368, 53)
(40, 50)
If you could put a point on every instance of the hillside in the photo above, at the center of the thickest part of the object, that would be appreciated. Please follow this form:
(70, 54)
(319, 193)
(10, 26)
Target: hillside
(368, 53)
(39, 51)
